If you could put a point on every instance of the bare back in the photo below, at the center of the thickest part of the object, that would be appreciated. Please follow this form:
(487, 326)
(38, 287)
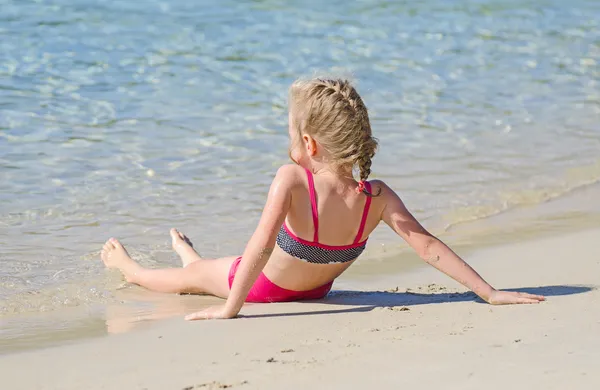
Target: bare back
(340, 210)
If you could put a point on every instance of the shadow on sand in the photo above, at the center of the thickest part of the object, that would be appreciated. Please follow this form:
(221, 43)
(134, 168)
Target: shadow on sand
(369, 300)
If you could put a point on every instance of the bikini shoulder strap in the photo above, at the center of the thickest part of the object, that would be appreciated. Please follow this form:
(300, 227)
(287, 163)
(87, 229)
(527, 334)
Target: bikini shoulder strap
(363, 220)
(313, 203)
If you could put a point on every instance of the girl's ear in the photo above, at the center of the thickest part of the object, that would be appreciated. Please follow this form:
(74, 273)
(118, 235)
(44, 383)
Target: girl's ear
(310, 144)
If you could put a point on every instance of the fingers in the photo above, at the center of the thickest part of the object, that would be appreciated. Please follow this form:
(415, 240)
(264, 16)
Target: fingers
(526, 301)
(514, 297)
(200, 315)
(526, 298)
(212, 313)
(532, 296)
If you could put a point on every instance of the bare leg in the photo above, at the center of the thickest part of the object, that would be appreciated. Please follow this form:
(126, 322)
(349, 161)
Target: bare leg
(200, 277)
(184, 248)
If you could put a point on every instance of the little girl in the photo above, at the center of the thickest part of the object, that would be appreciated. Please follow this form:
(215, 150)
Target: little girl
(316, 221)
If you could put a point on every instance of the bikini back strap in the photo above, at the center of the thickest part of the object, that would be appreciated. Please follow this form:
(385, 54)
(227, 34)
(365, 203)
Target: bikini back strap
(363, 220)
(313, 203)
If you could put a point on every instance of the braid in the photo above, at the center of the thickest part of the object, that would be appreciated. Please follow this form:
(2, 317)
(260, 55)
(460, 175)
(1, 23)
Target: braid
(364, 165)
(346, 91)
(367, 151)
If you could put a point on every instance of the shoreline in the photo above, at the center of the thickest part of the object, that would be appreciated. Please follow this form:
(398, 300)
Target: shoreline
(422, 324)
(136, 308)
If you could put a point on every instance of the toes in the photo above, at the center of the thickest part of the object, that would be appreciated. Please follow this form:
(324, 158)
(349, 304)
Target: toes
(186, 240)
(115, 243)
(108, 246)
(180, 235)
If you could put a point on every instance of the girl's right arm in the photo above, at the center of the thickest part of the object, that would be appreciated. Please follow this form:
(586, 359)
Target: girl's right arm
(259, 248)
(439, 255)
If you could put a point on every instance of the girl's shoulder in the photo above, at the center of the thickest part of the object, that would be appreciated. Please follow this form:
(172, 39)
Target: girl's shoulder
(290, 175)
(291, 170)
(381, 191)
(378, 186)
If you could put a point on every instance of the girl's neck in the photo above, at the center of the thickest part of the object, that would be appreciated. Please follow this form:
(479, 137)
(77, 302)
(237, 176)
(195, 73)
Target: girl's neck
(326, 169)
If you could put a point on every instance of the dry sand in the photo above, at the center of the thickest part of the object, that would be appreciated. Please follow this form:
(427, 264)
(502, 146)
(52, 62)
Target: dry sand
(434, 336)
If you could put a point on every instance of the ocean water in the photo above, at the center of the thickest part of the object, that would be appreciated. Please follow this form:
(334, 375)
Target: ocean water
(125, 118)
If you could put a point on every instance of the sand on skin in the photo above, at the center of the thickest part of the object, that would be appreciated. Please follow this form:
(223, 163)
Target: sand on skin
(436, 336)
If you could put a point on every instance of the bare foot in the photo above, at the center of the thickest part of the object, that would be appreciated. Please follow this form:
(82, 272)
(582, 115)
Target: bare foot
(114, 255)
(178, 237)
(184, 248)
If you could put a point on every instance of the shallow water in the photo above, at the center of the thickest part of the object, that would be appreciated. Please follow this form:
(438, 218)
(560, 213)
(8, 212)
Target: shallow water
(126, 118)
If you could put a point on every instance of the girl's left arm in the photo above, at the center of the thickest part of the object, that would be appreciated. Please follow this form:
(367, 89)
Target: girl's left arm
(439, 255)
(259, 248)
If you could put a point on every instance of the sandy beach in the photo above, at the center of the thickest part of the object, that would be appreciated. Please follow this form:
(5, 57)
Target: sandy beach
(423, 332)
(127, 118)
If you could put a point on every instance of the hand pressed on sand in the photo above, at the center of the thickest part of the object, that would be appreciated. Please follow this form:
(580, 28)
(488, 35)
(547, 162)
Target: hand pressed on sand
(211, 313)
(498, 297)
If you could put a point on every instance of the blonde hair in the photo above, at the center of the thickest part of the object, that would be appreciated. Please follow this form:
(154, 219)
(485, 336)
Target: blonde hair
(331, 111)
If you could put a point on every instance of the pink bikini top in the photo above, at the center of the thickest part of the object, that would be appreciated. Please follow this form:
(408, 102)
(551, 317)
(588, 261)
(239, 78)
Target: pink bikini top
(315, 252)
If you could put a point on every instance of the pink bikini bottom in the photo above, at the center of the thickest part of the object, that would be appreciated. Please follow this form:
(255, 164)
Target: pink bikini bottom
(265, 291)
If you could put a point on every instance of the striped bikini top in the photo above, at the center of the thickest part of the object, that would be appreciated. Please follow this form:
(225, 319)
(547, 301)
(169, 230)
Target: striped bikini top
(315, 252)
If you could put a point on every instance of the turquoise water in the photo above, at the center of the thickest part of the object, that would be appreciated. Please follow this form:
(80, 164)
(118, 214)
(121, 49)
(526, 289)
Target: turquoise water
(125, 118)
